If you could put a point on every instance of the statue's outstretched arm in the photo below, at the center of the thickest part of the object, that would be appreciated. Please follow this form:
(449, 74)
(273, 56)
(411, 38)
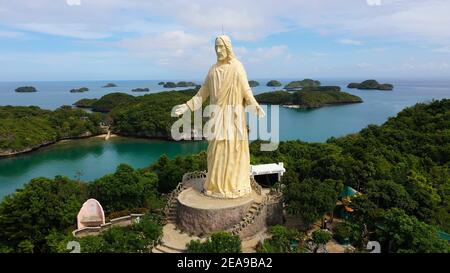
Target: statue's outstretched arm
(194, 103)
(197, 100)
(251, 101)
(248, 94)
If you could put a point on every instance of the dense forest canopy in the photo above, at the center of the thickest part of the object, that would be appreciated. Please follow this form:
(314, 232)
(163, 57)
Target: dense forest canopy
(371, 84)
(307, 99)
(27, 127)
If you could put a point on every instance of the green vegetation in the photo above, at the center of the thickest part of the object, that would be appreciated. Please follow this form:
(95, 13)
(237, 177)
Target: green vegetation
(170, 85)
(142, 116)
(401, 168)
(220, 242)
(38, 217)
(386, 86)
(322, 88)
(26, 89)
(348, 233)
(178, 84)
(110, 85)
(275, 97)
(371, 84)
(253, 83)
(402, 233)
(185, 84)
(85, 103)
(170, 172)
(313, 99)
(125, 189)
(33, 212)
(79, 90)
(131, 239)
(25, 128)
(112, 100)
(321, 237)
(140, 90)
(312, 198)
(307, 99)
(148, 115)
(401, 165)
(300, 84)
(273, 83)
(353, 85)
(283, 240)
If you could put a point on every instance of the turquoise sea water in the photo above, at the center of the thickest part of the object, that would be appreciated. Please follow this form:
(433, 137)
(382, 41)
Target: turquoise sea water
(95, 158)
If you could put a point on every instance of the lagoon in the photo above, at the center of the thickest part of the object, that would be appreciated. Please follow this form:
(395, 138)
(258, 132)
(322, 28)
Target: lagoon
(88, 159)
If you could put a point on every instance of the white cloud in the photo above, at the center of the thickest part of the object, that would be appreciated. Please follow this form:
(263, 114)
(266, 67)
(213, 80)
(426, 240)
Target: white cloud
(11, 34)
(320, 54)
(171, 40)
(69, 30)
(178, 34)
(444, 49)
(426, 21)
(261, 54)
(350, 42)
(364, 65)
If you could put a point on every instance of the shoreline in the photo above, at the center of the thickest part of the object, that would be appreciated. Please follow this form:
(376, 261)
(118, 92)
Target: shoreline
(49, 143)
(100, 136)
(296, 106)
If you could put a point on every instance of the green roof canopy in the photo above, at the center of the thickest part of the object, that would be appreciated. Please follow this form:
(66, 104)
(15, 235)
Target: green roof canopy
(443, 235)
(347, 191)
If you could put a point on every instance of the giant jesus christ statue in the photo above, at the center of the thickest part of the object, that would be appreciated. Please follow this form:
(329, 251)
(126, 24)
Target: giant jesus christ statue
(228, 152)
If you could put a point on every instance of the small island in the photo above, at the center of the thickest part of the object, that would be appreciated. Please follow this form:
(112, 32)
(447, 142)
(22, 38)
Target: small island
(110, 85)
(185, 84)
(170, 85)
(178, 84)
(273, 83)
(26, 89)
(371, 85)
(298, 85)
(161, 83)
(140, 90)
(253, 83)
(79, 90)
(307, 99)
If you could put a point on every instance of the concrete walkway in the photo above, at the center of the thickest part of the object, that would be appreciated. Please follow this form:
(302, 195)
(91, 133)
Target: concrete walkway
(334, 247)
(173, 241)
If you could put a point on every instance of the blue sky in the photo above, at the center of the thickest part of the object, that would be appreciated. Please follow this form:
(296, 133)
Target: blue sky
(145, 39)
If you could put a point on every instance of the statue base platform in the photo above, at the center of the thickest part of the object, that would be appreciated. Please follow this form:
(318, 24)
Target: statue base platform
(200, 215)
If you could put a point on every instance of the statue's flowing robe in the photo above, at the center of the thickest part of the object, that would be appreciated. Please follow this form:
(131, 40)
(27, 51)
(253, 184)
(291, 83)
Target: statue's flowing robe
(228, 151)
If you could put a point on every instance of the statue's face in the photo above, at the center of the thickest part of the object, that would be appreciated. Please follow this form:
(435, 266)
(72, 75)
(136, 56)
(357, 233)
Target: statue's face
(221, 50)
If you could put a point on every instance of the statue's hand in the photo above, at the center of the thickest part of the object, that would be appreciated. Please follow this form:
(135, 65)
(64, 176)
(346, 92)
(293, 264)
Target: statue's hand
(260, 111)
(180, 109)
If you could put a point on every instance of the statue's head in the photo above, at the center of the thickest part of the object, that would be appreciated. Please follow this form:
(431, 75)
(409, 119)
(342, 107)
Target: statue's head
(224, 50)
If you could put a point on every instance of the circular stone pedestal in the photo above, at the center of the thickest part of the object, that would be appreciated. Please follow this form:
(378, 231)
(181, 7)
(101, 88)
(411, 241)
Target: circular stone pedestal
(199, 215)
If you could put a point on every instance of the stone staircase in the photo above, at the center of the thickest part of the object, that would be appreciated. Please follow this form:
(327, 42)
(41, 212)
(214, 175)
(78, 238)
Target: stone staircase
(189, 179)
(171, 211)
(173, 241)
(255, 210)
